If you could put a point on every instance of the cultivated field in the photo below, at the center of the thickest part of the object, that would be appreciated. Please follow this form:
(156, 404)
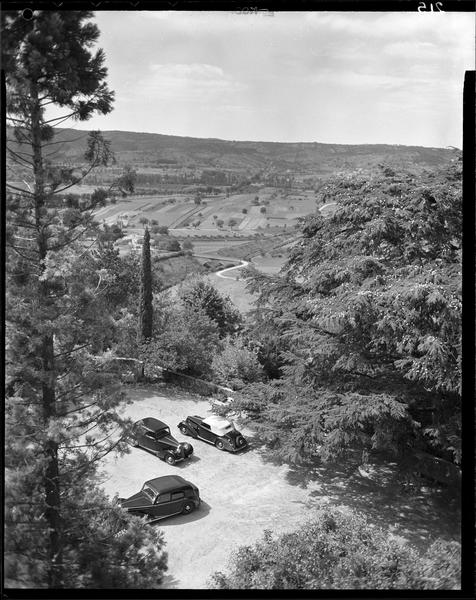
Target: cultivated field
(277, 210)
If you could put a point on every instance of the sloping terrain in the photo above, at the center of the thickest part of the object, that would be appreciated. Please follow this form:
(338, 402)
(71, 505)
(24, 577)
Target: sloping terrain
(158, 150)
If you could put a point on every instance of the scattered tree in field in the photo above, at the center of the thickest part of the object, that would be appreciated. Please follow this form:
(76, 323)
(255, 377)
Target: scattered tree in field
(244, 211)
(231, 223)
(262, 210)
(199, 294)
(341, 551)
(219, 223)
(187, 244)
(154, 222)
(61, 398)
(143, 221)
(173, 245)
(110, 233)
(255, 201)
(145, 309)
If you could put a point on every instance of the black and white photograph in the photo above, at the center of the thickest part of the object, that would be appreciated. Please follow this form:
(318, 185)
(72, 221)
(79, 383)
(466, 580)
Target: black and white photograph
(233, 299)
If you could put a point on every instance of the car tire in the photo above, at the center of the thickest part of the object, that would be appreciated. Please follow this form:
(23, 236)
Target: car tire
(187, 508)
(169, 459)
(183, 430)
(220, 445)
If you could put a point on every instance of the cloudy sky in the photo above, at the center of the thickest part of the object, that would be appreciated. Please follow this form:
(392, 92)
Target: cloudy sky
(303, 76)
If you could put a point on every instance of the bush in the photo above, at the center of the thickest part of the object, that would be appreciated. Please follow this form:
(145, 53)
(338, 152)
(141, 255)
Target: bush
(236, 365)
(340, 551)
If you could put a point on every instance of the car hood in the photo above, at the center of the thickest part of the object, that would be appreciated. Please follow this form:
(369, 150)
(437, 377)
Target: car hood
(169, 440)
(139, 499)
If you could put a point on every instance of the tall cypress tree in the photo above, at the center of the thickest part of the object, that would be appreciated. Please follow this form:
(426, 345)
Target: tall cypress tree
(145, 309)
(61, 405)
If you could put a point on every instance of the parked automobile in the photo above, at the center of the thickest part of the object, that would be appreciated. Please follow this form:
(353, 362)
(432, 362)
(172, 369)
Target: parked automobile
(214, 430)
(163, 497)
(154, 435)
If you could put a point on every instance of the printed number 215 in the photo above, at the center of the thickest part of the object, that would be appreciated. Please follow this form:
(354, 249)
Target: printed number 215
(439, 7)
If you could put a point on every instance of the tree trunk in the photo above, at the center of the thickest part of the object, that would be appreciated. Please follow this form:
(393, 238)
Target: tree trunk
(46, 349)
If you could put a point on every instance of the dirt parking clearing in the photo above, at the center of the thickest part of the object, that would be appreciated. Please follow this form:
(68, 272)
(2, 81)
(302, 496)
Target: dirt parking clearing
(241, 494)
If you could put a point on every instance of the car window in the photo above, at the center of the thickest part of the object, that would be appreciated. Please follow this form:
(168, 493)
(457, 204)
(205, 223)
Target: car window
(206, 425)
(149, 492)
(163, 498)
(150, 434)
(178, 495)
(164, 431)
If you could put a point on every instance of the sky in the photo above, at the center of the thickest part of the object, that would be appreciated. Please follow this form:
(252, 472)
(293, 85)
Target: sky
(331, 77)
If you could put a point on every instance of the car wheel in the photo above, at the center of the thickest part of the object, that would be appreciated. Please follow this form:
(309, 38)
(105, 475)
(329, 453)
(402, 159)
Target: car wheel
(183, 430)
(188, 507)
(169, 459)
(220, 445)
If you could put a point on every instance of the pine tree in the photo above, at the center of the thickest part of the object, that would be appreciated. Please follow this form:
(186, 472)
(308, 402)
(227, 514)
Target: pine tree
(61, 401)
(146, 311)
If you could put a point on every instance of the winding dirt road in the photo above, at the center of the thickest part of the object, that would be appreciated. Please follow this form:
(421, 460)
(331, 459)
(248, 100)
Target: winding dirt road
(244, 263)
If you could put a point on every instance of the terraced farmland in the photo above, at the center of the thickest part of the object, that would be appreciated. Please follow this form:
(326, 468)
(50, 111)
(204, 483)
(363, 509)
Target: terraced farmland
(275, 210)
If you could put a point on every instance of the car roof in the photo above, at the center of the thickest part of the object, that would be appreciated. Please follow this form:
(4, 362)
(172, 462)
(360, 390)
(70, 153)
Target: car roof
(168, 483)
(153, 424)
(215, 421)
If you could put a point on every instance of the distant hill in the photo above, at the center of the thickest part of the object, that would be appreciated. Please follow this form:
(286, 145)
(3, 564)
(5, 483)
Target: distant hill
(150, 150)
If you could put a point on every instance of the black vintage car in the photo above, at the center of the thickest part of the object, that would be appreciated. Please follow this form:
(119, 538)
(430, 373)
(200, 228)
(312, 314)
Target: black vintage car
(154, 435)
(214, 430)
(163, 497)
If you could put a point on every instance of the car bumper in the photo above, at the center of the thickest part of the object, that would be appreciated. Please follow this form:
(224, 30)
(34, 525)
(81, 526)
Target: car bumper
(238, 448)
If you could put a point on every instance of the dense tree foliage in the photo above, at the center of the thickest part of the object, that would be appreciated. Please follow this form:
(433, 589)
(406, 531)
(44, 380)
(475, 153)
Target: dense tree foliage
(61, 399)
(185, 340)
(369, 305)
(236, 364)
(341, 551)
(198, 293)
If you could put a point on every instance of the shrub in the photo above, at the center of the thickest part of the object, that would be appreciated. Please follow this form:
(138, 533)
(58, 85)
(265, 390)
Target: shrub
(340, 551)
(236, 365)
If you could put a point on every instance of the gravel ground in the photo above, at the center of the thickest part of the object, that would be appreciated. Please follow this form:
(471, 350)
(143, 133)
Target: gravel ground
(241, 495)
(246, 493)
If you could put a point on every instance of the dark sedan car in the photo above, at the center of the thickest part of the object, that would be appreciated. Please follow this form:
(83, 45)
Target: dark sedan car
(163, 497)
(214, 430)
(154, 435)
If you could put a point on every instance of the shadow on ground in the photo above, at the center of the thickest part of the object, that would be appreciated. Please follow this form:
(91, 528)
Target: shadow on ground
(147, 391)
(183, 464)
(418, 513)
(195, 515)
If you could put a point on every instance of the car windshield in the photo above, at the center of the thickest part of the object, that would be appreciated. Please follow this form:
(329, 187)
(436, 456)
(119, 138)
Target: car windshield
(149, 492)
(164, 431)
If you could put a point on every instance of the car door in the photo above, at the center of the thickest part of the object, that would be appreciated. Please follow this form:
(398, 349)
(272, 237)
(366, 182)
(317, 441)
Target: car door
(149, 441)
(168, 504)
(206, 433)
